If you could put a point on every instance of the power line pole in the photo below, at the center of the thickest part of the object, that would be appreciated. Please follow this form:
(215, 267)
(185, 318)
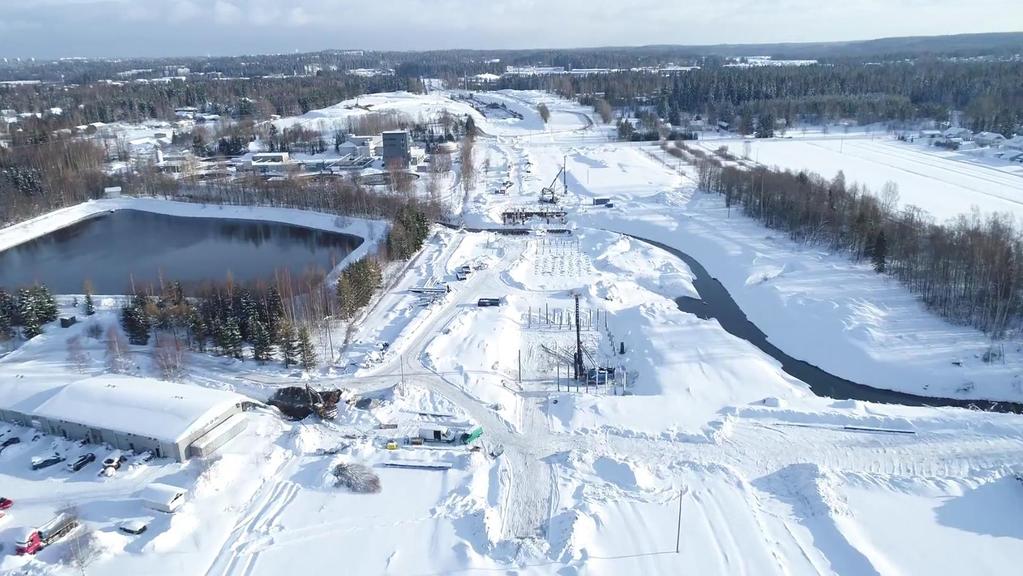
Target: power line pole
(678, 531)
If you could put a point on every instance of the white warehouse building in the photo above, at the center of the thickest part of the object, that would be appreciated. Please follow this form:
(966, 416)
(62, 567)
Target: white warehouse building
(176, 421)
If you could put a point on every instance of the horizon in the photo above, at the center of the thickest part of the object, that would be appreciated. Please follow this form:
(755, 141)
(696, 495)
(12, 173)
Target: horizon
(232, 28)
(521, 49)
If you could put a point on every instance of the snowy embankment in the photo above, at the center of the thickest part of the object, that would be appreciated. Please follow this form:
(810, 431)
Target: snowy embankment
(814, 305)
(373, 232)
(946, 184)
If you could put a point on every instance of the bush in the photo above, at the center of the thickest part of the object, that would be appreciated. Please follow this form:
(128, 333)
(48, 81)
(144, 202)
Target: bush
(357, 478)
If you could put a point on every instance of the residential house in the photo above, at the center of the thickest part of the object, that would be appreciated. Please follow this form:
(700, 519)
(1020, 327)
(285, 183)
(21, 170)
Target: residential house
(988, 139)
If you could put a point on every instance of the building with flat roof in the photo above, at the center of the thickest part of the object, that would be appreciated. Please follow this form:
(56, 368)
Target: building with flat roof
(397, 148)
(170, 420)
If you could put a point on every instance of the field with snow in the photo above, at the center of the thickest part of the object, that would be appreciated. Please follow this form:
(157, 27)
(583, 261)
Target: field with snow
(943, 183)
(702, 441)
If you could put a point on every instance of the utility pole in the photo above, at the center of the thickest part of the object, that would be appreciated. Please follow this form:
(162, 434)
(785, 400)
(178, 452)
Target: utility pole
(401, 364)
(578, 342)
(564, 174)
(678, 531)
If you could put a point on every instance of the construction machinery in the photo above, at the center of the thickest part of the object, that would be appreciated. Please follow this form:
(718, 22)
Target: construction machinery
(549, 195)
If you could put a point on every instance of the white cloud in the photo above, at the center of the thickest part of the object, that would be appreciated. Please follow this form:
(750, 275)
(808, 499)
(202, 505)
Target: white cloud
(225, 12)
(183, 11)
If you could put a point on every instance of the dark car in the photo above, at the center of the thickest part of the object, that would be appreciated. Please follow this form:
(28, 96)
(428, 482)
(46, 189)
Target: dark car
(133, 527)
(82, 461)
(40, 463)
(6, 503)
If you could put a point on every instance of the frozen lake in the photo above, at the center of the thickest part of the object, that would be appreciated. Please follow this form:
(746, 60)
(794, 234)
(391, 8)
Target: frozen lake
(115, 249)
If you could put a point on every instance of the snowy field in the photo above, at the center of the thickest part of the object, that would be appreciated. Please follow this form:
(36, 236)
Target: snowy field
(943, 183)
(704, 439)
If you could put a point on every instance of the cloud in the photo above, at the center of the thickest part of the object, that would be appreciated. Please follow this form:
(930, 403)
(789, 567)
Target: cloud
(225, 12)
(181, 27)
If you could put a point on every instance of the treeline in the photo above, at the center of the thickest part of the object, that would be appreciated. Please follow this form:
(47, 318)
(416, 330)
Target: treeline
(27, 309)
(988, 91)
(223, 318)
(968, 270)
(41, 178)
(239, 98)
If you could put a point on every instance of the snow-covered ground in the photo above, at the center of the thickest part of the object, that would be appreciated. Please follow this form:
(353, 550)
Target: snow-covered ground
(704, 438)
(943, 183)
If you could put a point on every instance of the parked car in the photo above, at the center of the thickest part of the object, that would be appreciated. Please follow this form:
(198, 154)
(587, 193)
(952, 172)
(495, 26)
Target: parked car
(144, 457)
(133, 526)
(114, 460)
(6, 503)
(82, 461)
(39, 463)
(113, 463)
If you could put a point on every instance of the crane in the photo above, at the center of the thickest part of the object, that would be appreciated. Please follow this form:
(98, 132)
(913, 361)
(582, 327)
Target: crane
(548, 195)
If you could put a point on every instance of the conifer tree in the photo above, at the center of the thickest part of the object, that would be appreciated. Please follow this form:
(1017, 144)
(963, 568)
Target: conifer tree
(230, 339)
(199, 329)
(307, 353)
(262, 343)
(45, 303)
(28, 316)
(286, 341)
(136, 321)
(7, 313)
(879, 253)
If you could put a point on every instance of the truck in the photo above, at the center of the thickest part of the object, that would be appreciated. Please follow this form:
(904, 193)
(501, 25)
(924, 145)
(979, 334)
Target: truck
(436, 434)
(47, 534)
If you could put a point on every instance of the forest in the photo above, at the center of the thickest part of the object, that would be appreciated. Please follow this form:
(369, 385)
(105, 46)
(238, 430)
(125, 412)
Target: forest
(969, 270)
(988, 92)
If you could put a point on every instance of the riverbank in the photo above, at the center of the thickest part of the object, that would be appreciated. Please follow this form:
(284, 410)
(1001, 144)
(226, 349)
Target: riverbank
(822, 308)
(373, 232)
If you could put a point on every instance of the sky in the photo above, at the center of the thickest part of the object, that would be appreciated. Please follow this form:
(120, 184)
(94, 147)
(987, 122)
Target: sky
(104, 28)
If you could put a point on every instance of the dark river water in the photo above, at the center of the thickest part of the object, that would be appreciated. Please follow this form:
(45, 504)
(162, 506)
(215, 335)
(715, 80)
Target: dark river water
(715, 302)
(116, 248)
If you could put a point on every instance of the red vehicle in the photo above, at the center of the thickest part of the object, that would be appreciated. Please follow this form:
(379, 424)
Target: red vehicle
(6, 503)
(47, 534)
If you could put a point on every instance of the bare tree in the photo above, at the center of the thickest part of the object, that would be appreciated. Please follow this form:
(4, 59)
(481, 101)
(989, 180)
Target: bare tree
(76, 356)
(468, 165)
(169, 356)
(117, 351)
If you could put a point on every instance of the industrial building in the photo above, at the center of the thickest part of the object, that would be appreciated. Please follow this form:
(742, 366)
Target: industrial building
(176, 421)
(397, 148)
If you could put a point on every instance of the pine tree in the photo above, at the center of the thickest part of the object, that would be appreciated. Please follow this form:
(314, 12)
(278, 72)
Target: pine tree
(200, 331)
(306, 351)
(45, 303)
(230, 339)
(287, 344)
(262, 343)
(7, 313)
(28, 317)
(879, 253)
(136, 321)
(90, 307)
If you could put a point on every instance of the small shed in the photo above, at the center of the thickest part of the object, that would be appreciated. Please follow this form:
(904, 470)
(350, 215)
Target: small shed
(162, 497)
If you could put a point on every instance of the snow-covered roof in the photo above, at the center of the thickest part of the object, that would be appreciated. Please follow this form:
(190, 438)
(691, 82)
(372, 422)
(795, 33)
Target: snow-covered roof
(160, 493)
(142, 406)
